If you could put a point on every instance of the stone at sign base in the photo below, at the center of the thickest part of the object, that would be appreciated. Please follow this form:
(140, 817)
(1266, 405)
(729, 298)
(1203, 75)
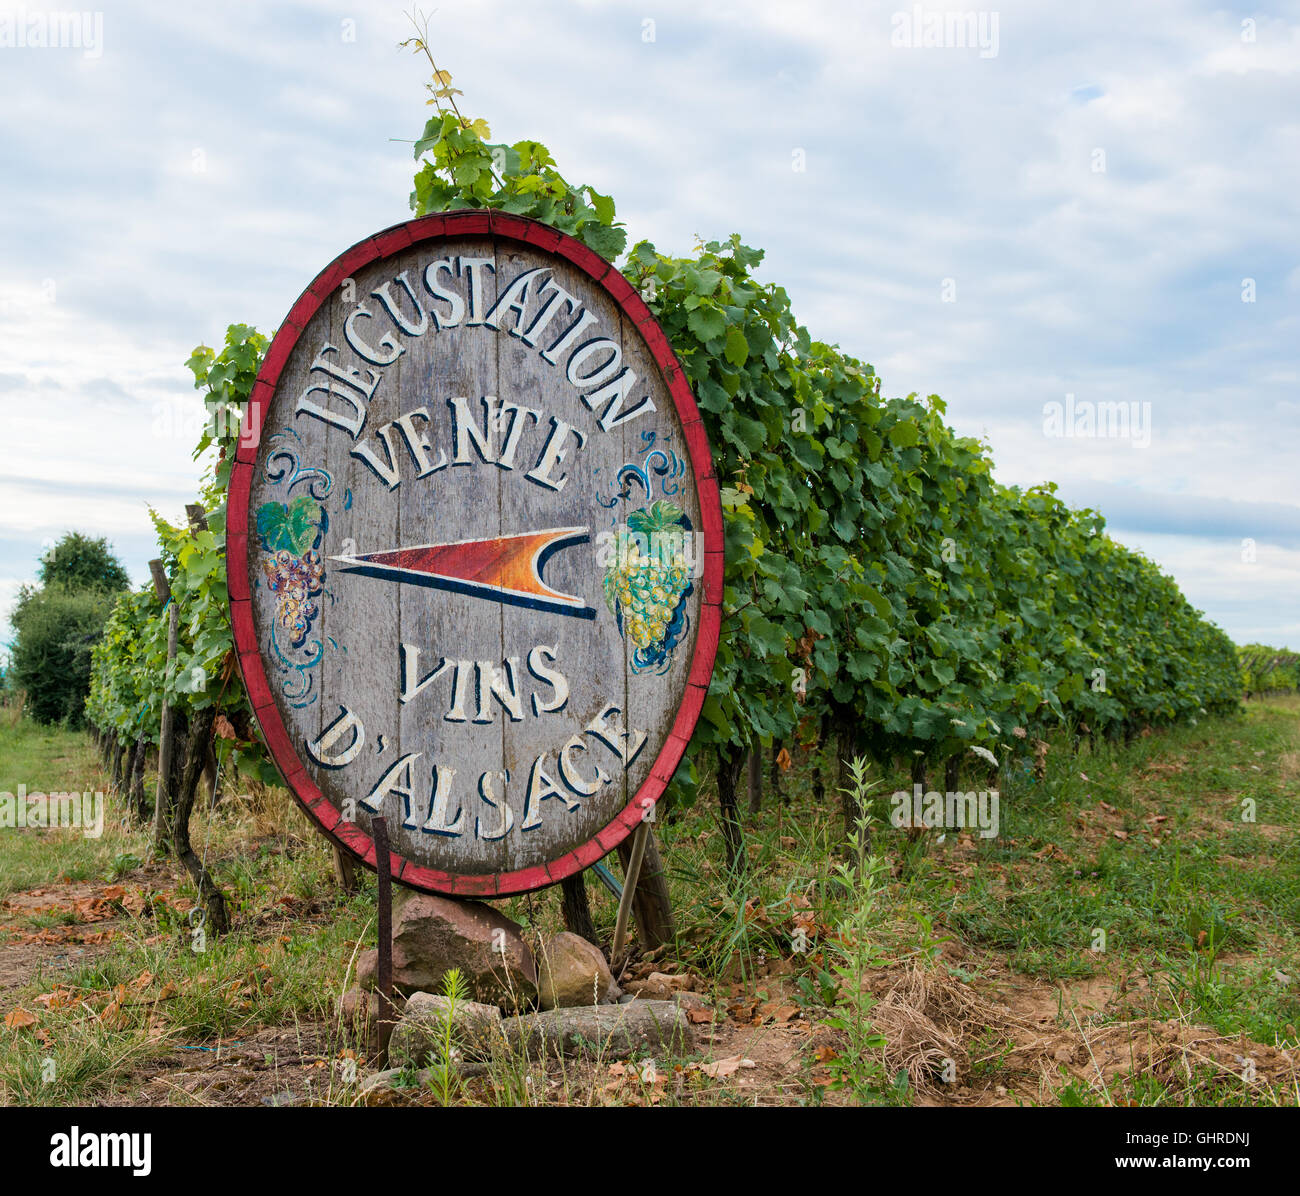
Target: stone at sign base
(432, 935)
(572, 971)
(659, 986)
(658, 1029)
(358, 1012)
(602, 1031)
(360, 1006)
(423, 1026)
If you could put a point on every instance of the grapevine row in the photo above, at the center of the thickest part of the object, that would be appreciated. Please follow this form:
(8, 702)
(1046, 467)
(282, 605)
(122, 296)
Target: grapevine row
(881, 589)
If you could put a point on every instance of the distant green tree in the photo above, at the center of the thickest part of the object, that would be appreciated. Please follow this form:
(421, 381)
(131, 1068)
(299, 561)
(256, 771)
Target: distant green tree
(58, 622)
(55, 629)
(79, 562)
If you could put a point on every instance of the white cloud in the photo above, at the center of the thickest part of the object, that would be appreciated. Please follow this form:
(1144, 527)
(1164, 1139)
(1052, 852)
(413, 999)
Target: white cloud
(922, 165)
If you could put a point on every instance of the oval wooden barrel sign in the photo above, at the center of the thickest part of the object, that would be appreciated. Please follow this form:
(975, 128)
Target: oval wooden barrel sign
(475, 553)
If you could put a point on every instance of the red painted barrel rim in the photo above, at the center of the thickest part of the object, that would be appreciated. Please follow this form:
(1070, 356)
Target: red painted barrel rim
(350, 836)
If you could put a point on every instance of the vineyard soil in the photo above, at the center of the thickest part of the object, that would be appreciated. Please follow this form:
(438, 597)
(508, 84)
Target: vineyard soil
(1129, 937)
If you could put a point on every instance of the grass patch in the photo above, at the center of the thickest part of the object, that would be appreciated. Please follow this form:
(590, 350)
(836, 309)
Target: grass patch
(1164, 874)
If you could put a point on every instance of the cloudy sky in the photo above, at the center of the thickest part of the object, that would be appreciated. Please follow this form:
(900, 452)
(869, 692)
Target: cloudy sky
(1042, 200)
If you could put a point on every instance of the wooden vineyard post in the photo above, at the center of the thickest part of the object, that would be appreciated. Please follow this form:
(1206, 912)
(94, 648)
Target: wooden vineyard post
(214, 901)
(576, 909)
(198, 753)
(166, 733)
(651, 905)
(128, 771)
(384, 979)
(135, 794)
(730, 762)
(119, 749)
(345, 871)
(916, 834)
(633, 874)
(755, 777)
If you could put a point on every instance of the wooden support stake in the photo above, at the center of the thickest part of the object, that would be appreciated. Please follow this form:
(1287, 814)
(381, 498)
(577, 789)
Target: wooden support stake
(128, 771)
(576, 909)
(214, 901)
(161, 586)
(379, 828)
(652, 907)
(136, 791)
(345, 872)
(730, 763)
(756, 777)
(625, 902)
(166, 732)
(119, 748)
